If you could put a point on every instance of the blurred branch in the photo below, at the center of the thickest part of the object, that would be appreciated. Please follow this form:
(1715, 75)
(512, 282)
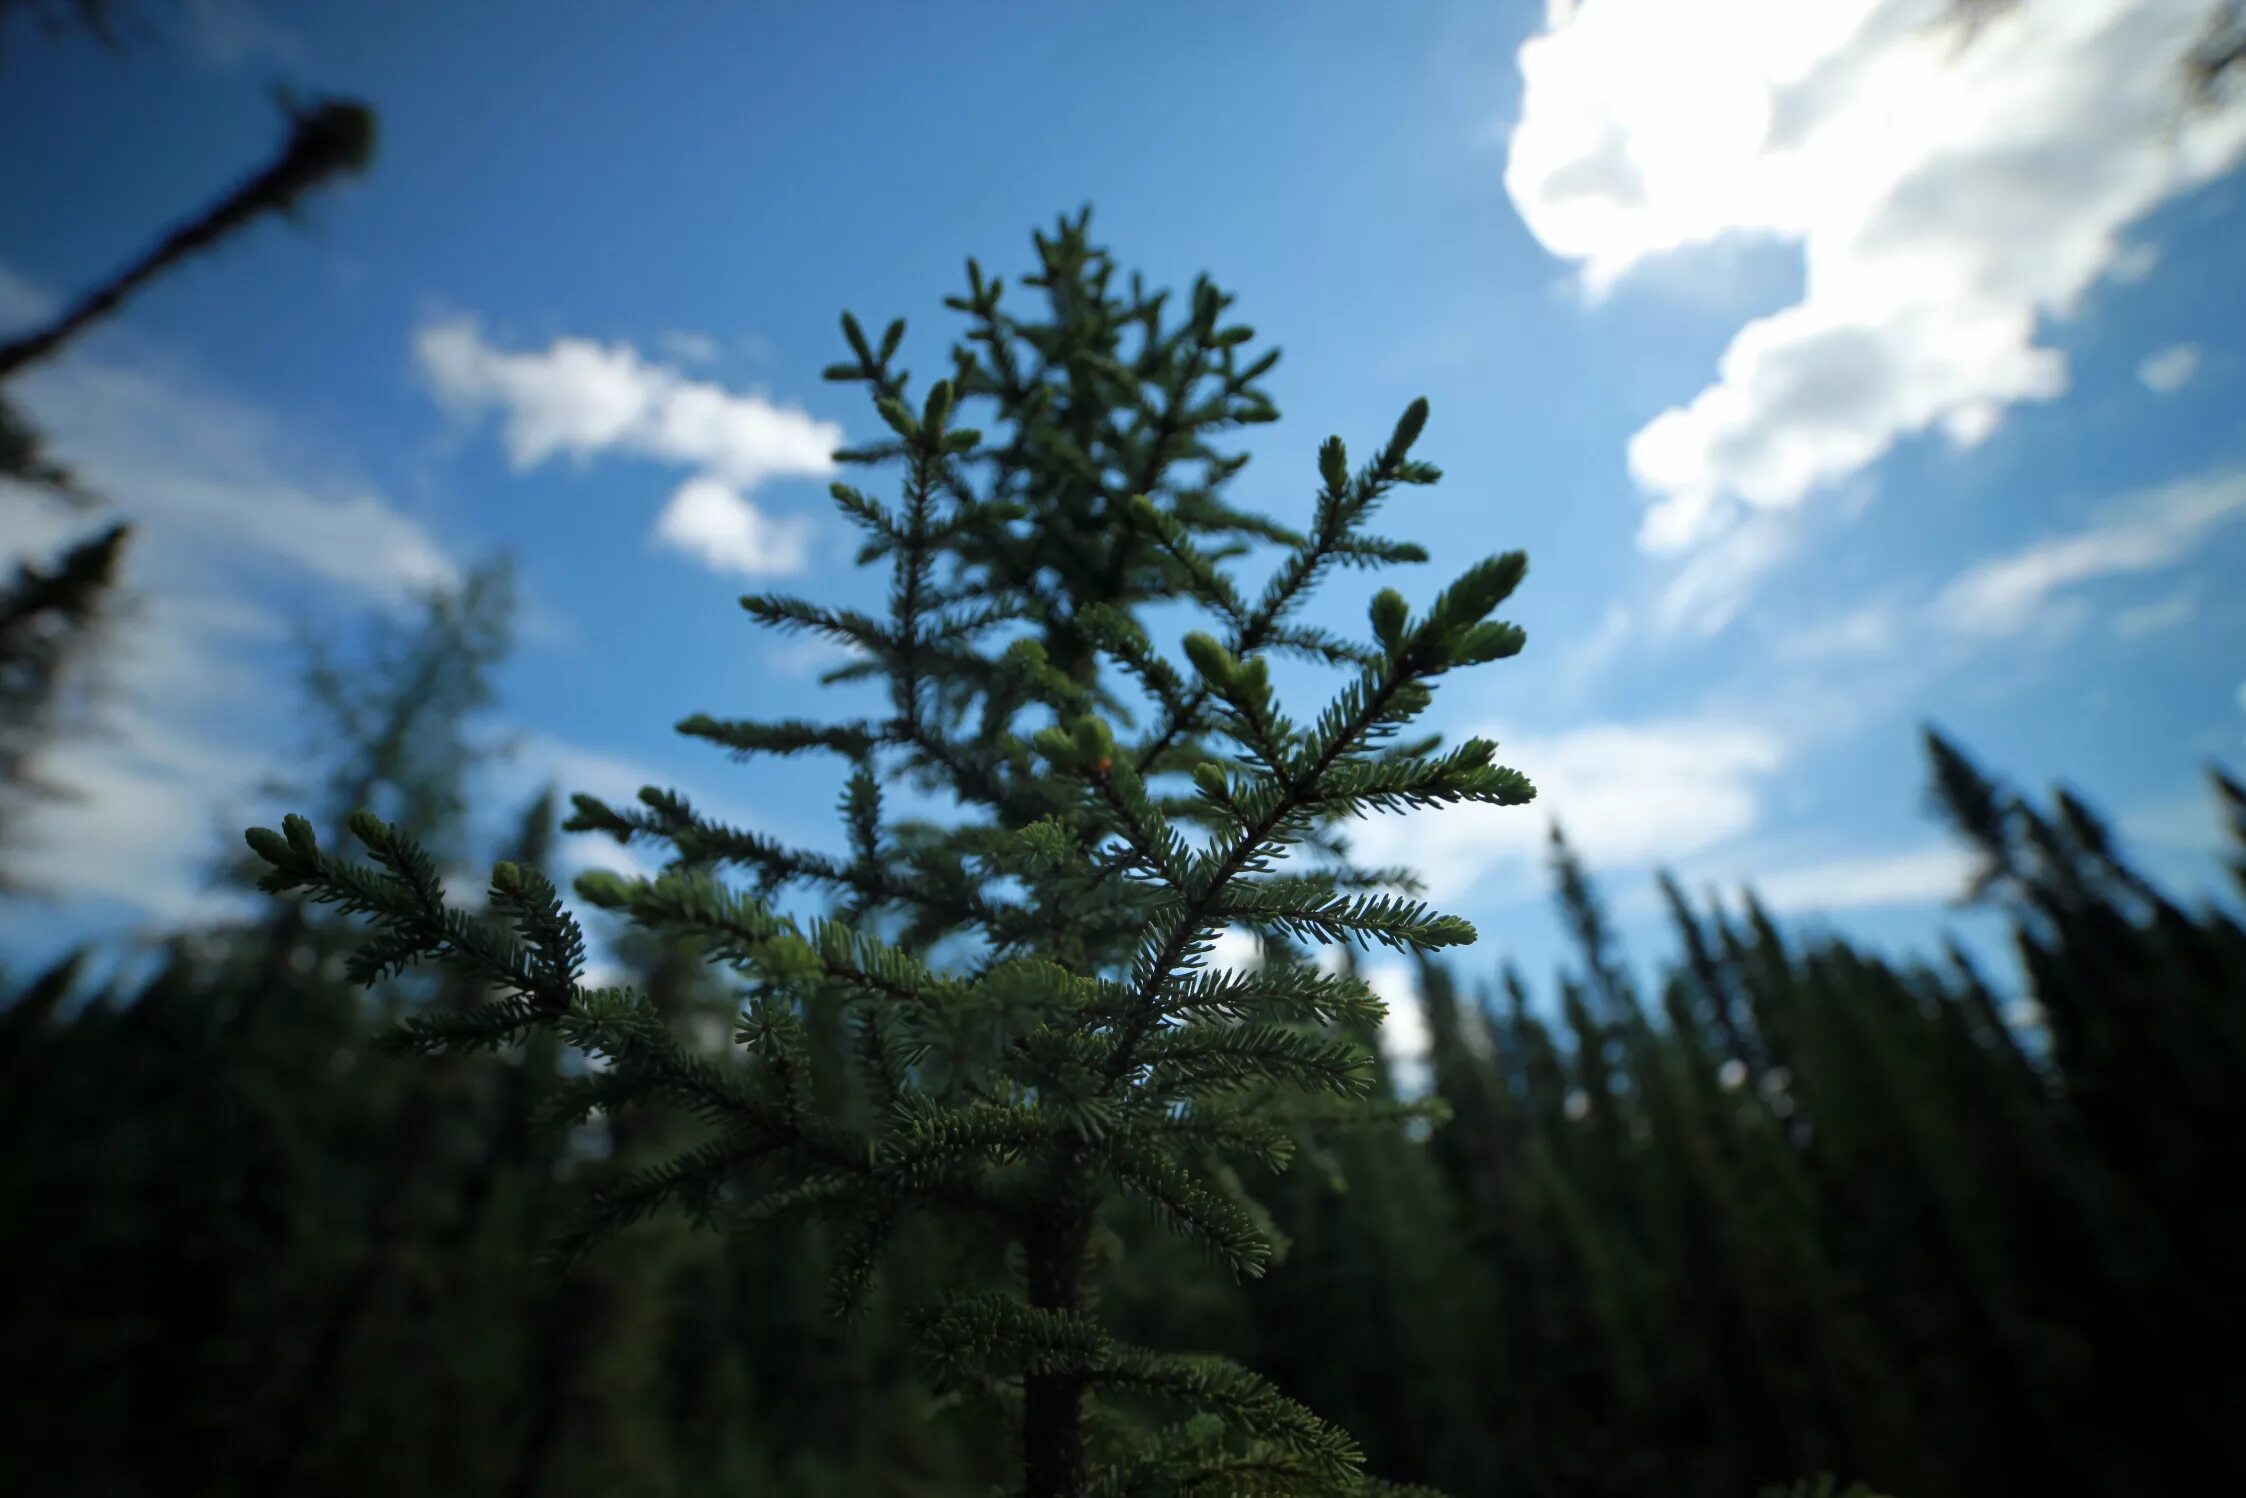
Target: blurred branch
(327, 140)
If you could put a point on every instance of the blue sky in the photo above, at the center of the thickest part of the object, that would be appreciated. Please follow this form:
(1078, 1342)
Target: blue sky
(1836, 379)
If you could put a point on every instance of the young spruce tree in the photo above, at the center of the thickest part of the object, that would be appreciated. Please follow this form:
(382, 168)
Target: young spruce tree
(1037, 1039)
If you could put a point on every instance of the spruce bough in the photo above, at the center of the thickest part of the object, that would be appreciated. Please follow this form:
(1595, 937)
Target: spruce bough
(1035, 1034)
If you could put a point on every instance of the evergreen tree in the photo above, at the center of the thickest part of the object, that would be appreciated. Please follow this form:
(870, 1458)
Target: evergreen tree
(1038, 1038)
(1844, 1215)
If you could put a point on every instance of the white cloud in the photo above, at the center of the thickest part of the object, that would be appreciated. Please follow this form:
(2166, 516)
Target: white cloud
(2133, 264)
(1947, 195)
(1403, 1035)
(2145, 533)
(1718, 581)
(202, 479)
(708, 519)
(2171, 369)
(579, 399)
(1579, 662)
(151, 796)
(219, 496)
(1628, 794)
(1916, 876)
(1237, 948)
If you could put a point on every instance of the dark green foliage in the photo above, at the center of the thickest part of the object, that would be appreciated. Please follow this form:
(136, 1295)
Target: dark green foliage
(1037, 1039)
(1829, 1213)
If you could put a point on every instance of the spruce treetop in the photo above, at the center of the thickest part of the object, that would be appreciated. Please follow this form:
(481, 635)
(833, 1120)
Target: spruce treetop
(1037, 1036)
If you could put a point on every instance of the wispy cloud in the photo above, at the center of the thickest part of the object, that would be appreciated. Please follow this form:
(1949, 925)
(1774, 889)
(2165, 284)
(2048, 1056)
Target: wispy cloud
(2177, 609)
(1949, 197)
(2169, 370)
(1717, 582)
(2133, 264)
(1939, 872)
(223, 502)
(1924, 875)
(2148, 532)
(1580, 662)
(235, 33)
(690, 347)
(808, 655)
(580, 399)
(1870, 629)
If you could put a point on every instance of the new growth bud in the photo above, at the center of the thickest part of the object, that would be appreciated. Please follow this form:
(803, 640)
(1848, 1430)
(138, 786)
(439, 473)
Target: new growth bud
(1212, 660)
(1390, 614)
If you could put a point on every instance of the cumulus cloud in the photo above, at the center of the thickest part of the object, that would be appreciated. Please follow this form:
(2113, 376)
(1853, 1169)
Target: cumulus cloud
(1947, 193)
(2145, 533)
(710, 520)
(2171, 369)
(1628, 794)
(579, 399)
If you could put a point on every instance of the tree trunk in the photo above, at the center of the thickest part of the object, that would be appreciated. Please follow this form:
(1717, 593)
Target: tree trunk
(1053, 1403)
